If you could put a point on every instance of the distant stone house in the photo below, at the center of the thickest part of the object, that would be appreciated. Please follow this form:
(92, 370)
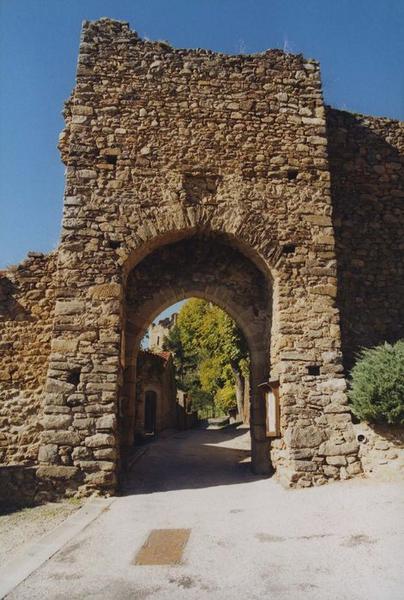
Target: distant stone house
(156, 394)
(159, 331)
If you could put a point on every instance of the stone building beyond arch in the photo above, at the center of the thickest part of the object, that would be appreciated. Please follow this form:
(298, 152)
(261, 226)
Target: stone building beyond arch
(292, 210)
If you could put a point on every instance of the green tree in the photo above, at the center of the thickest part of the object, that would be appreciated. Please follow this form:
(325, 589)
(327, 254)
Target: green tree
(210, 355)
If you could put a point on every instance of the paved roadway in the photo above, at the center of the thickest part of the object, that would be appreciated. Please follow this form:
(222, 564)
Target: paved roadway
(250, 538)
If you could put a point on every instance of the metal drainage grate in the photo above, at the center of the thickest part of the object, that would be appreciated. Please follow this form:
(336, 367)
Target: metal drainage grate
(163, 547)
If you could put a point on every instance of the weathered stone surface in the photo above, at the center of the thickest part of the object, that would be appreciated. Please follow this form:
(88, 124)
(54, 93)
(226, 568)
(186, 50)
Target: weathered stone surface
(106, 290)
(381, 450)
(69, 307)
(333, 449)
(234, 168)
(331, 471)
(106, 423)
(58, 386)
(105, 454)
(87, 174)
(27, 300)
(65, 438)
(333, 385)
(335, 407)
(99, 440)
(57, 472)
(337, 461)
(305, 437)
(354, 468)
(64, 345)
(48, 454)
(305, 465)
(81, 453)
(101, 479)
(96, 465)
(366, 165)
(56, 421)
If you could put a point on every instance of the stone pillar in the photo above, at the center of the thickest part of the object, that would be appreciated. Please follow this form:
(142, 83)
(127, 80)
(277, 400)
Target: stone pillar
(79, 444)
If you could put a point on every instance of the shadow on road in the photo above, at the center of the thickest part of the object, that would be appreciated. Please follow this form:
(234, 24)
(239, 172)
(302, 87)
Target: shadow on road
(197, 458)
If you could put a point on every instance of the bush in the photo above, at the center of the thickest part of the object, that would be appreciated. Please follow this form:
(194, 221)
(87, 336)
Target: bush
(377, 384)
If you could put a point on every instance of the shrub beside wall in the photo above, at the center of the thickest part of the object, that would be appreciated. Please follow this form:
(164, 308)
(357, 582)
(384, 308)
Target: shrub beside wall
(377, 384)
(377, 397)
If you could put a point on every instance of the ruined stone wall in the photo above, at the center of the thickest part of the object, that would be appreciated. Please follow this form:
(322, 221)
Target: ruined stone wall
(366, 156)
(381, 450)
(27, 301)
(161, 144)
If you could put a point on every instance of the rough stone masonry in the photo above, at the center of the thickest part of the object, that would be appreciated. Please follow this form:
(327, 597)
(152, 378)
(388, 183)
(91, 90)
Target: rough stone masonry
(190, 172)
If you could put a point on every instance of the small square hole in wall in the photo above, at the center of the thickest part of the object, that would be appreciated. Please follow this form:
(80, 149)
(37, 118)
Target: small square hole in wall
(74, 377)
(288, 248)
(114, 244)
(111, 159)
(292, 174)
(313, 370)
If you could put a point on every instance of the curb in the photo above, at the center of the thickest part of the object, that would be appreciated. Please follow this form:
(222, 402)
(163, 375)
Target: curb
(36, 554)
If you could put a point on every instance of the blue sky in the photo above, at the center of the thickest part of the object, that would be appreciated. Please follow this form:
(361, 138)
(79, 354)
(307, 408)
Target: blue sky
(360, 44)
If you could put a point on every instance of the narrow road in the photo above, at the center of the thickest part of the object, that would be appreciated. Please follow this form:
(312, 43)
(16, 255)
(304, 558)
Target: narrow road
(248, 537)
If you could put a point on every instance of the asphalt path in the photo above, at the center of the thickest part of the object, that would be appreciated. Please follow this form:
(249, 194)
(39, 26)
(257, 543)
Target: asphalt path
(249, 538)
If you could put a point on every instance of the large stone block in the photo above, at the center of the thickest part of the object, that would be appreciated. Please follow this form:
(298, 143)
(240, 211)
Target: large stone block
(100, 440)
(105, 454)
(304, 436)
(101, 479)
(69, 307)
(90, 466)
(106, 423)
(105, 291)
(56, 421)
(336, 461)
(59, 386)
(63, 438)
(64, 345)
(57, 472)
(331, 448)
(333, 385)
(48, 454)
(81, 453)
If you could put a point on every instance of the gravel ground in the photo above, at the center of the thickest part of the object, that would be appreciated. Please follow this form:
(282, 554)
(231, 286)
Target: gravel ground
(27, 525)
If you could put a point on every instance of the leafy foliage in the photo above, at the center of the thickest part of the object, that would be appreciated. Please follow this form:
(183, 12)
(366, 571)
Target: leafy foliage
(225, 398)
(377, 384)
(210, 355)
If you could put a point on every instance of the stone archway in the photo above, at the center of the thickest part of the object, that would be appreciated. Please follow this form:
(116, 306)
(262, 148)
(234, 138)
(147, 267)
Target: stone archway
(303, 332)
(204, 266)
(157, 152)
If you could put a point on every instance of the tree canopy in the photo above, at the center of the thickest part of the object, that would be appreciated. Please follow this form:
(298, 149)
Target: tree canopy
(210, 357)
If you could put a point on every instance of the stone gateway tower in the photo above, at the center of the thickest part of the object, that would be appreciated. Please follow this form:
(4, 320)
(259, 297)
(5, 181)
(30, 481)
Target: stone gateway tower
(193, 173)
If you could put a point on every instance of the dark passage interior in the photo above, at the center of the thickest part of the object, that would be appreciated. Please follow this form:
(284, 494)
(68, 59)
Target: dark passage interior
(210, 268)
